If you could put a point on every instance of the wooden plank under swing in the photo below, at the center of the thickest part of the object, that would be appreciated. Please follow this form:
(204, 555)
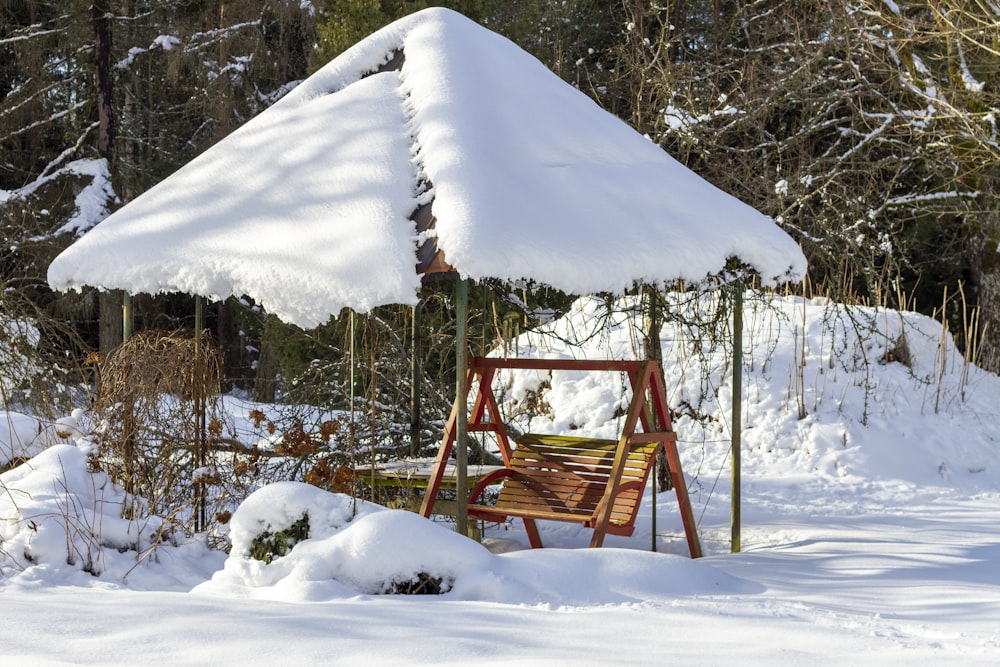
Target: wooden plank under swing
(597, 483)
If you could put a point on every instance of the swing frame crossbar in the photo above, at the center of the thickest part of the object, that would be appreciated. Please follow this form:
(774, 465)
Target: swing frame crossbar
(597, 483)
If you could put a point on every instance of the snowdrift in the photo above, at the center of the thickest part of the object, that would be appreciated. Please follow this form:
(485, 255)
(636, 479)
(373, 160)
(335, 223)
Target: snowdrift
(830, 392)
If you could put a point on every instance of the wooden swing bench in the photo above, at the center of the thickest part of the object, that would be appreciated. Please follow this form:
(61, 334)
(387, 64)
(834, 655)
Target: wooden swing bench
(563, 478)
(597, 483)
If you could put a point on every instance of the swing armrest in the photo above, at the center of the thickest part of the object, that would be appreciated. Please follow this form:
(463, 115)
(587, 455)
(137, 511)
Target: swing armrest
(633, 506)
(489, 480)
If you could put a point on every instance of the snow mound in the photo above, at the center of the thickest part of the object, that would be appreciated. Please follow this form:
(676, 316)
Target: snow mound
(277, 506)
(356, 548)
(22, 436)
(61, 523)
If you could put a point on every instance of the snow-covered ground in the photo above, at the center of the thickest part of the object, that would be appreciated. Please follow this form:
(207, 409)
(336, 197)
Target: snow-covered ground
(869, 530)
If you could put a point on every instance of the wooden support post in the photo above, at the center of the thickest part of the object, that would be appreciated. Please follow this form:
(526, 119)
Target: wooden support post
(737, 418)
(461, 406)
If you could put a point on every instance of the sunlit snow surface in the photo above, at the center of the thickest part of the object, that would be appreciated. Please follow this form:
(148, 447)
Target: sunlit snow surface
(868, 543)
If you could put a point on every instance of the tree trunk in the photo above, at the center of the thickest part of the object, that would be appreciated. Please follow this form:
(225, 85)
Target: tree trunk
(989, 309)
(266, 380)
(110, 326)
(988, 284)
(110, 322)
(228, 337)
(106, 128)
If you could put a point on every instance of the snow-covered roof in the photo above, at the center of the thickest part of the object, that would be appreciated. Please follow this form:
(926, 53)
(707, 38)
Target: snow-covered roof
(308, 207)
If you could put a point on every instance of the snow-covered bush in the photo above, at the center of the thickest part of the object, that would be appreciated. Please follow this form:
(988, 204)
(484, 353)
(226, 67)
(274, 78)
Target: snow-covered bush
(352, 547)
(58, 515)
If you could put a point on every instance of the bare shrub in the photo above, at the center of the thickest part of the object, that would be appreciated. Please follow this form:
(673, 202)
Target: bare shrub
(159, 419)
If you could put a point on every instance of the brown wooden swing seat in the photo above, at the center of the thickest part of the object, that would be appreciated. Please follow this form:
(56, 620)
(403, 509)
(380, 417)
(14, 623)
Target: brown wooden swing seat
(563, 478)
(597, 483)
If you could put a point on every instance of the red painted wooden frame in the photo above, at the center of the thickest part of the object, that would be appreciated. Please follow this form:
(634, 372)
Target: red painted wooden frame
(648, 408)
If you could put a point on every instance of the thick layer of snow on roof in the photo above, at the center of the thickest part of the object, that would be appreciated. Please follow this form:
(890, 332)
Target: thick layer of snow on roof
(311, 197)
(306, 208)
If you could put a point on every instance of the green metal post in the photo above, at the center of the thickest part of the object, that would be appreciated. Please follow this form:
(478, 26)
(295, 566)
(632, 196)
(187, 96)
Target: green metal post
(461, 406)
(198, 390)
(737, 411)
(415, 374)
(128, 318)
(352, 434)
(653, 522)
(653, 352)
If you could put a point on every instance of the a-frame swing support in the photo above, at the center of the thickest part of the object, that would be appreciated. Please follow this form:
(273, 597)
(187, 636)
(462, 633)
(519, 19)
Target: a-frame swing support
(647, 409)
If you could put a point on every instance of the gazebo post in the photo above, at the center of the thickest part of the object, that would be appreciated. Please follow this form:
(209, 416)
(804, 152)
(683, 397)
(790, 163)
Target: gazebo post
(737, 417)
(461, 405)
(415, 376)
(653, 352)
(128, 316)
(352, 431)
(199, 390)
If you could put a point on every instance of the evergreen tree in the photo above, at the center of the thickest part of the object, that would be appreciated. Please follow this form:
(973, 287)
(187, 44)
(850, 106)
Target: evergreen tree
(102, 100)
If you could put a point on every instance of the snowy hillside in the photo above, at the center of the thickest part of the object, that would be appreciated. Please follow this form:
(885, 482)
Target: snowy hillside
(865, 400)
(830, 392)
